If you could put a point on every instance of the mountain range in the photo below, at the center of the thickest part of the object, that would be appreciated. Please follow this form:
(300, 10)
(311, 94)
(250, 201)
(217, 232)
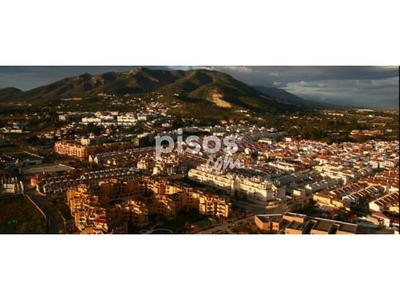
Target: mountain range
(204, 86)
(9, 92)
(282, 95)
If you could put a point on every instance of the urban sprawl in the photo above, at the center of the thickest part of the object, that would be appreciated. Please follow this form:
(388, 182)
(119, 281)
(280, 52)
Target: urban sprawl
(111, 181)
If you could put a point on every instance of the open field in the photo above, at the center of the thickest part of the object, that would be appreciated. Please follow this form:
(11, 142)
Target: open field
(18, 215)
(45, 168)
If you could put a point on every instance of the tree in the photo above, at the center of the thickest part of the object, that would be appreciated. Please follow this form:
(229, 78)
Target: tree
(244, 197)
(342, 215)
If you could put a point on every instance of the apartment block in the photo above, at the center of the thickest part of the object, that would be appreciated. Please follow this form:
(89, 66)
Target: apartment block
(135, 201)
(253, 187)
(71, 149)
(82, 152)
(89, 216)
(10, 185)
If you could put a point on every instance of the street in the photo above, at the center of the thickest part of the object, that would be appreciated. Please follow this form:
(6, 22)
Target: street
(52, 225)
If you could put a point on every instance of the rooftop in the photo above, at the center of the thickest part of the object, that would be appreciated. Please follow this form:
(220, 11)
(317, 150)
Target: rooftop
(323, 225)
(295, 225)
(348, 227)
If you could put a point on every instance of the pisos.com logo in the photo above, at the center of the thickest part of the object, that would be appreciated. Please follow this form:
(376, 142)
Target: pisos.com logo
(210, 145)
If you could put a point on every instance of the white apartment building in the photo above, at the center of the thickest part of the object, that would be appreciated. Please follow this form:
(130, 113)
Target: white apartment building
(87, 120)
(255, 188)
(10, 185)
(98, 119)
(321, 185)
(283, 166)
(142, 117)
(126, 120)
(258, 189)
(388, 202)
(217, 180)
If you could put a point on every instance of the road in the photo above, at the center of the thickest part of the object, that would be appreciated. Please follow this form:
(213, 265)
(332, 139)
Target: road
(53, 224)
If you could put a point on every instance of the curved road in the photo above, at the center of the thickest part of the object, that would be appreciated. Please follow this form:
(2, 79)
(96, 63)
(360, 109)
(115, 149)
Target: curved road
(53, 224)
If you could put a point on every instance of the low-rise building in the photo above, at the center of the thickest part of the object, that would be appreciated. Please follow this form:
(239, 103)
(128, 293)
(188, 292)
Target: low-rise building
(10, 185)
(291, 223)
(82, 152)
(256, 188)
(321, 185)
(388, 202)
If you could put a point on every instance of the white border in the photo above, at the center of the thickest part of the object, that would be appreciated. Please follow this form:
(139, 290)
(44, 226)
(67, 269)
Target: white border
(199, 33)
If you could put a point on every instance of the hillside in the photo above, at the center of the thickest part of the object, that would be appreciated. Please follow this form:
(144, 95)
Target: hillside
(10, 92)
(197, 86)
(87, 85)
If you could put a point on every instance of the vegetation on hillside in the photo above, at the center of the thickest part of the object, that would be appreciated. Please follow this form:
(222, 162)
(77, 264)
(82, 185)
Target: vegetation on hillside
(18, 215)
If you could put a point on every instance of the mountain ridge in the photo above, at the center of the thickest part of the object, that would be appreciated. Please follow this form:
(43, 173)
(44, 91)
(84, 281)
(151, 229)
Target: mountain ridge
(9, 92)
(209, 86)
(285, 95)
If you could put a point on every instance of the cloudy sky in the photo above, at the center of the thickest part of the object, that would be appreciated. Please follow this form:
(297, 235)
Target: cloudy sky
(370, 86)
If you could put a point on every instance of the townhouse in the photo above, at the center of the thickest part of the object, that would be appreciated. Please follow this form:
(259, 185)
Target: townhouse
(388, 202)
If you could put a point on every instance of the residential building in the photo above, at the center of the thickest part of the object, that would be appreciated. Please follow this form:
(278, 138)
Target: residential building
(291, 223)
(10, 185)
(388, 202)
(253, 187)
(135, 201)
(83, 152)
(89, 216)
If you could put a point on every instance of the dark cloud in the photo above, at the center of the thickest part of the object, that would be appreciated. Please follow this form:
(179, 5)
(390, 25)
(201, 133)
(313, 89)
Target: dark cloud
(366, 81)
(378, 93)
(356, 85)
(268, 75)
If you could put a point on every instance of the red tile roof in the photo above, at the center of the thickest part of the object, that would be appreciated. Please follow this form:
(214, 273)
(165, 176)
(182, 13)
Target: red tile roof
(380, 215)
